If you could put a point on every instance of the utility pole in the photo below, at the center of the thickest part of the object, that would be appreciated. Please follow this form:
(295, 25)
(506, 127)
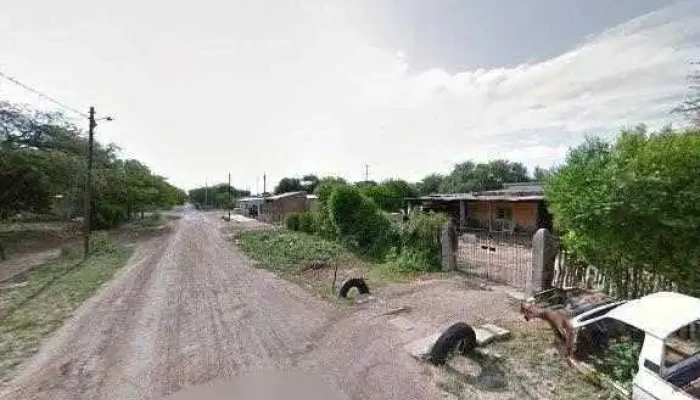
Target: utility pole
(206, 192)
(229, 196)
(264, 184)
(366, 172)
(87, 221)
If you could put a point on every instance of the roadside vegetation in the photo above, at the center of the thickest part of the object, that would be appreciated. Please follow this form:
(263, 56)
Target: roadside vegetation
(37, 302)
(42, 173)
(632, 209)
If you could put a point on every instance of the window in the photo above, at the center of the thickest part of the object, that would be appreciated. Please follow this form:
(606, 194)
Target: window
(682, 344)
(503, 213)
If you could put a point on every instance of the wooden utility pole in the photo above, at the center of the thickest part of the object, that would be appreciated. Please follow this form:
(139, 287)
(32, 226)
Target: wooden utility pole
(229, 196)
(87, 220)
(264, 184)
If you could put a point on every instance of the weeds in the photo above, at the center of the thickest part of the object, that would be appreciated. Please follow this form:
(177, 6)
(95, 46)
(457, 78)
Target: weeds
(35, 303)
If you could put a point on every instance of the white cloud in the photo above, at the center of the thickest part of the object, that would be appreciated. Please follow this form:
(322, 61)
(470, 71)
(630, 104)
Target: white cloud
(294, 87)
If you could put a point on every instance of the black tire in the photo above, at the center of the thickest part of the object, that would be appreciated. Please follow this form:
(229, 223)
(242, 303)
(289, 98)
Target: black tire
(358, 283)
(458, 337)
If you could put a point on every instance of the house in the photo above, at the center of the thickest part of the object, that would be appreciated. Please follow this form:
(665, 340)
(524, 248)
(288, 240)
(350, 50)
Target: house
(517, 207)
(251, 206)
(275, 208)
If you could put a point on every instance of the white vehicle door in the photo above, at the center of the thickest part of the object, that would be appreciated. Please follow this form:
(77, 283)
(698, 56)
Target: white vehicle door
(648, 383)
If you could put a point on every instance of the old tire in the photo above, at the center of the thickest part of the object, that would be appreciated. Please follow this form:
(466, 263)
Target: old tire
(458, 337)
(358, 283)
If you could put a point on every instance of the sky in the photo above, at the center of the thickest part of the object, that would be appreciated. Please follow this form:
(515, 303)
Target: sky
(409, 87)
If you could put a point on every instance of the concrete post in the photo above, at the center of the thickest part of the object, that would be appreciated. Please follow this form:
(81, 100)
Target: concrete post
(544, 252)
(448, 246)
(462, 214)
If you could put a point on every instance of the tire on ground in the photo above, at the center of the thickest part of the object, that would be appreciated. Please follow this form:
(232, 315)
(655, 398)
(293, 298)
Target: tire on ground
(459, 336)
(358, 283)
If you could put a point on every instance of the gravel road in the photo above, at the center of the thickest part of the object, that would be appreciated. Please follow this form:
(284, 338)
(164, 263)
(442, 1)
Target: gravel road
(190, 309)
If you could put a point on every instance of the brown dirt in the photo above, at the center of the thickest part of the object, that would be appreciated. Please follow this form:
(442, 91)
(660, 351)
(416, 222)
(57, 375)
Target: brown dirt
(190, 309)
(26, 261)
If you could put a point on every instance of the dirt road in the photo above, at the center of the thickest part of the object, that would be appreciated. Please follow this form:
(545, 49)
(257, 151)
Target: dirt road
(190, 309)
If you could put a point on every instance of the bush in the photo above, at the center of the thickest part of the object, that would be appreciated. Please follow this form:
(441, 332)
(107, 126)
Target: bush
(412, 260)
(307, 222)
(633, 205)
(291, 221)
(100, 243)
(359, 223)
(620, 361)
(420, 239)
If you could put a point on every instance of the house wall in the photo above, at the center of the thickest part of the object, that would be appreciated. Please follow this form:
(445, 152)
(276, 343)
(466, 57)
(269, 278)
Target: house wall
(525, 214)
(274, 211)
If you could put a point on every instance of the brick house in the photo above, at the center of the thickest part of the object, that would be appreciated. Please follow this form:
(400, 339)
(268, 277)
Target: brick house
(518, 207)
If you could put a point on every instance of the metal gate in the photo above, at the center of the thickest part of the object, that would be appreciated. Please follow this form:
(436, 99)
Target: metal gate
(502, 257)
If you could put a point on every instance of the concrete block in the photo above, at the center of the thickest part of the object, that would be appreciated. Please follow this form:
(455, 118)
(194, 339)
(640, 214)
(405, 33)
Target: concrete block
(486, 334)
(501, 333)
(420, 348)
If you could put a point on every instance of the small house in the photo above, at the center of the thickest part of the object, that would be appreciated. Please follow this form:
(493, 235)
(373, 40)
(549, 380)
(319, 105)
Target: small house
(251, 206)
(517, 207)
(275, 208)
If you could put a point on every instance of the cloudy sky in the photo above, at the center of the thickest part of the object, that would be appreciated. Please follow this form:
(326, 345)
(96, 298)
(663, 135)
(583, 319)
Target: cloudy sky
(409, 87)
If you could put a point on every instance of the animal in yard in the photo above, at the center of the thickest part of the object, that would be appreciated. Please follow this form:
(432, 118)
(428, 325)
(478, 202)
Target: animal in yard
(557, 320)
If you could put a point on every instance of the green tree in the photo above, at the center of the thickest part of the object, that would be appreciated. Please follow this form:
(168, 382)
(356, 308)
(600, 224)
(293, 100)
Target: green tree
(430, 184)
(633, 206)
(390, 194)
(470, 177)
(309, 183)
(288, 185)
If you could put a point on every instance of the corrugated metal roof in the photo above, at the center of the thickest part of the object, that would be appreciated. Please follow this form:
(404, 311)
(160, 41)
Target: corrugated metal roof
(283, 195)
(250, 199)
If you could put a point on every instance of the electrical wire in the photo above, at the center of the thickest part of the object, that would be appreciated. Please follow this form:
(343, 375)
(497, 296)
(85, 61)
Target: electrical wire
(43, 95)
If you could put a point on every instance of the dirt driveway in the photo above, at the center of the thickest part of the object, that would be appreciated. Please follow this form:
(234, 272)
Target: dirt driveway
(190, 309)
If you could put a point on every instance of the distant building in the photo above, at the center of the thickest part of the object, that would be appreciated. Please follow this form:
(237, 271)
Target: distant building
(518, 207)
(275, 208)
(251, 206)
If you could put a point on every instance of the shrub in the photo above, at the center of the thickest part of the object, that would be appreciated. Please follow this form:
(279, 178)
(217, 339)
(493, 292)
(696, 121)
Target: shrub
(411, 260)
(100, 243)
(633, 205)
(324, 224)
(307, 222)
(358, 221)
(620, 361)
(291, 221)
(420, 238)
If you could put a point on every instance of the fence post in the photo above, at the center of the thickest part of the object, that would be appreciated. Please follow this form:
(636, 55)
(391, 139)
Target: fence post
(448, 246)
(544, 252)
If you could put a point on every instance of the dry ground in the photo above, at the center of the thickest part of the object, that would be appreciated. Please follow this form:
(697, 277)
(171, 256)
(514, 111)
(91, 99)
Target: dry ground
(189, 309)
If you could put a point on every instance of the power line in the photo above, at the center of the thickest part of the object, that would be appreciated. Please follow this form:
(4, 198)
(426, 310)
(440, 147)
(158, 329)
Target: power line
(41, 94)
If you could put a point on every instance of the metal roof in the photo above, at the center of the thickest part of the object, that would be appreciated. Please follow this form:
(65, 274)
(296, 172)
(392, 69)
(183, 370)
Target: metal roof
(659, 314)
(283, 195)
(250, 199)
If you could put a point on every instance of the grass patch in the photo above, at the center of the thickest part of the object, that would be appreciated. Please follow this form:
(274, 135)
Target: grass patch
(288, 251)
(37, 302)
(532, 357)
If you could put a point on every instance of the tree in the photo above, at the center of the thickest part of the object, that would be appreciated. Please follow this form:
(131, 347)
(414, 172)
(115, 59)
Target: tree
(633, 206)
(542, 174)
(430, 184)
(288, 185)
(470, 177)
(390, 194)
(216, 196)
(42, 166)
(309, 183)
